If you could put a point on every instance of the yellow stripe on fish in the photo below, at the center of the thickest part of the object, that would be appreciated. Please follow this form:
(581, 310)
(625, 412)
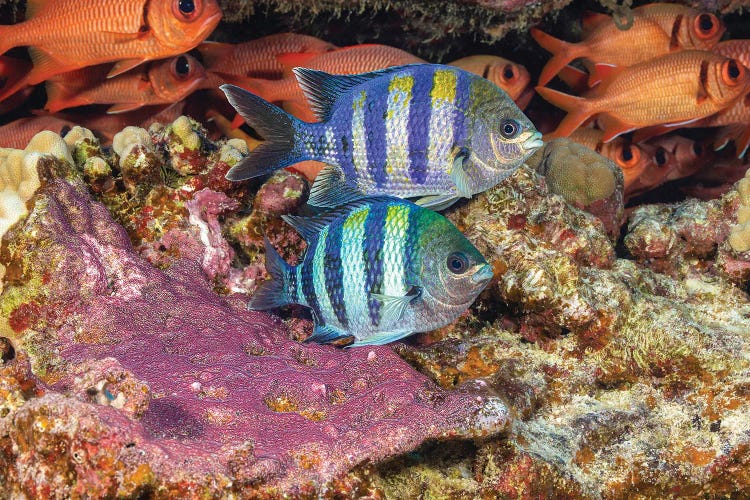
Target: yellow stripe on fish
(396, 226)
(397, 125)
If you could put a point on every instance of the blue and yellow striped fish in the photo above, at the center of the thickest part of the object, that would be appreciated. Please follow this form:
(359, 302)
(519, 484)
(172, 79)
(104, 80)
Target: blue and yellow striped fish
(424, 131)
(377, 269)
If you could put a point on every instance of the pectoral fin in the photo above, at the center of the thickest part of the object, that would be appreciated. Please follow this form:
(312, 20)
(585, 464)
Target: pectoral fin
(124, 65)
(458, 172)
(437, 202)
(325, 333)
(392, 307)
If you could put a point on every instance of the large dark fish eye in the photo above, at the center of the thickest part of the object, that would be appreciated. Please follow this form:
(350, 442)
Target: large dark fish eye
(697, 148)
(706, 25)
(661, 157)
(508, 72)
(510, 129)
(182, 66)
(187, 7)
(732, 72)
(458, 263)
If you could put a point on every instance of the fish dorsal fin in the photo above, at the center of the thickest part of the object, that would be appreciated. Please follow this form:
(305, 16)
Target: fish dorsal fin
(322, 89)
(703, 82)
(331, 190)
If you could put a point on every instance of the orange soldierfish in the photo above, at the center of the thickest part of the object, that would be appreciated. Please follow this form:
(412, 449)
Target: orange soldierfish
(344, 61)
(735, 49)
(631, 158)
(63, 35)
(671, 90)
(688, 155)
(162, 82)
(18, 133)
(257, 58)
(511, 77)
(657, 29)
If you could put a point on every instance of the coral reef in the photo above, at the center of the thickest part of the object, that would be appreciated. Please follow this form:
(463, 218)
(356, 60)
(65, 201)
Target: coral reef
(631, 382)
(123, 379)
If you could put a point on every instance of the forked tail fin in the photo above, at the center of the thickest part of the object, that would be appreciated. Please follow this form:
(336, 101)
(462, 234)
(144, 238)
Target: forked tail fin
(562, 54)
(577, 108)
(278, 129)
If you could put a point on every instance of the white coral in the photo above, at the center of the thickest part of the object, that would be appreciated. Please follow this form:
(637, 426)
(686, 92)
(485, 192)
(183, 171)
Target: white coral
(128, 138)
(19, 178)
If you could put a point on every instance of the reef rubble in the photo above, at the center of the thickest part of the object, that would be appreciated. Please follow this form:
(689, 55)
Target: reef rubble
(130, 366)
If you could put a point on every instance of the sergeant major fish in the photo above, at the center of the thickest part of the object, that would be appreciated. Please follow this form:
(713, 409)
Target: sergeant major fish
(378, 269)
(425, 130)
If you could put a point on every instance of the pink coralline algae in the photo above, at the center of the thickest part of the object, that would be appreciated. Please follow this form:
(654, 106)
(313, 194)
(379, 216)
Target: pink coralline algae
(145, 381)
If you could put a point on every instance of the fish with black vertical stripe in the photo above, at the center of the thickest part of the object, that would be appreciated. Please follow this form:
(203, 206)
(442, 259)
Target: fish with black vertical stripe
(426, 131)
(376, 269)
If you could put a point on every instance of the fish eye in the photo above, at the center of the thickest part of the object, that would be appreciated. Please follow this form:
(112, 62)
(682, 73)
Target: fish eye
(706, 25)
(509, 129)
(186, 6)
(508, 72)
(697, 148)
(732, 72)
(186, 9)
(660, 157)
(458, 263)
(182, 66)
(628, 156)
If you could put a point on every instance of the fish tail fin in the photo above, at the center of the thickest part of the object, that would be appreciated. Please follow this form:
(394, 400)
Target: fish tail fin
(562, 54)
(60, 96)
(577, 107)
(279, 129)
(273, 292)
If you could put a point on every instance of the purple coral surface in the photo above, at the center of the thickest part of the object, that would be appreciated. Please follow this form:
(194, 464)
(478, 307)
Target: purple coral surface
(227, 392)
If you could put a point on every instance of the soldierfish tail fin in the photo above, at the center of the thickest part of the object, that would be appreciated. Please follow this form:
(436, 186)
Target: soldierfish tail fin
(278, 128)
(562, 54)
(60, 97)
(577, 107)
(272, 293)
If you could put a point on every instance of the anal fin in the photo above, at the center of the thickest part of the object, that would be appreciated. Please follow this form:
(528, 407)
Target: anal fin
(325, 334)
(382, 338)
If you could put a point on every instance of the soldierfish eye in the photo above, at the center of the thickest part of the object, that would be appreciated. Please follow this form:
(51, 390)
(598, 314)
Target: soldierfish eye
(660, 157)
(732, 72)
(510, 129)
(187, 10)
(508, 73)
(706, 25)
(628, 156)
(697, 148)
(458, 263)
(182, 67)
(186, 6)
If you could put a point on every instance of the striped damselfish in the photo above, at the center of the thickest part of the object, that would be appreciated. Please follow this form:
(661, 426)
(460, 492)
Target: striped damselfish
(426, 131)
(377, 269)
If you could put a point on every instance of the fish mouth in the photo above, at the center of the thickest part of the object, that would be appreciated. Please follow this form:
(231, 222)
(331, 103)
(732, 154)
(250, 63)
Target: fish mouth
(534, 142)
(483, 274)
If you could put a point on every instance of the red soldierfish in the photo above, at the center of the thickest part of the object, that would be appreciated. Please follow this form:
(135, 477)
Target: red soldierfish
(675, 89)
(258, 58)
(65, 35)
(163, 82)
(657, 29)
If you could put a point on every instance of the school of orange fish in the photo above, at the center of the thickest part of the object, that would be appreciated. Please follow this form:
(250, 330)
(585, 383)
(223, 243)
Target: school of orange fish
(135, 65)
